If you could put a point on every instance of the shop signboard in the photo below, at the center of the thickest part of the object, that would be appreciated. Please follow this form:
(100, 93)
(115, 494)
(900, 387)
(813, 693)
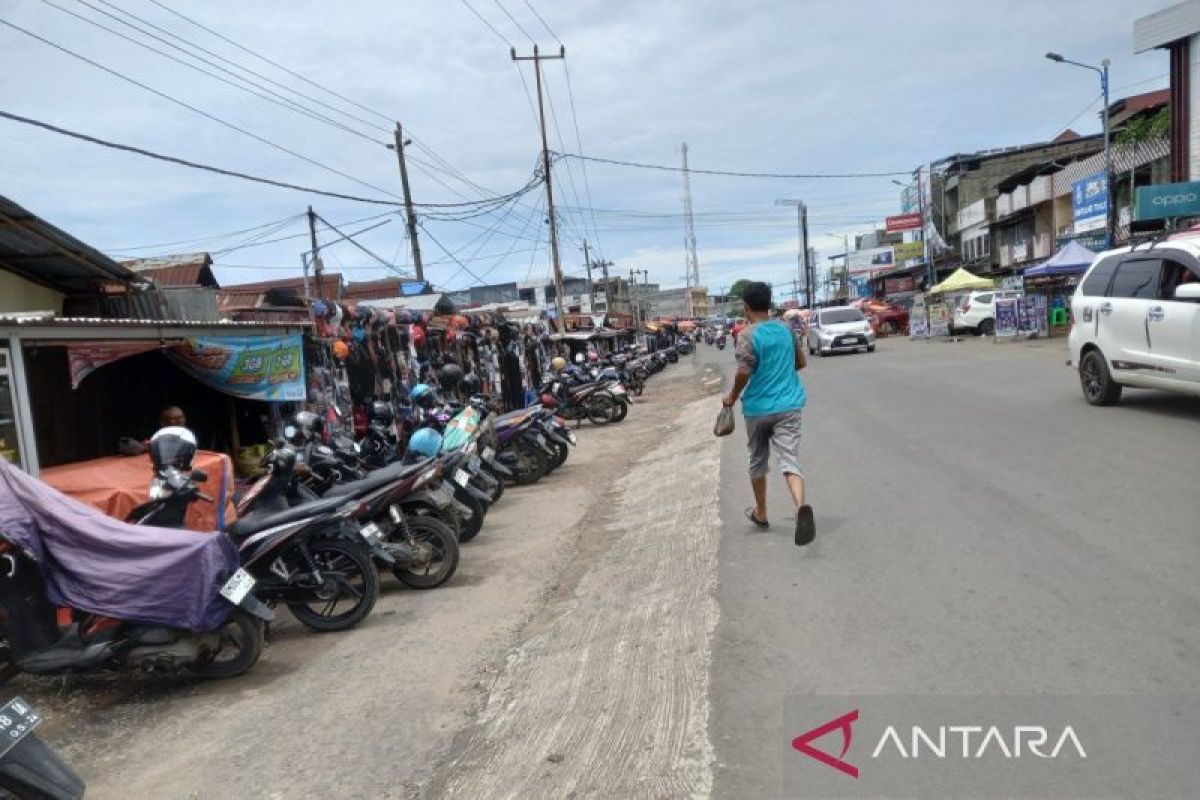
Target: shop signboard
(1090, 201)
(1008, 318)
(254, 367)
(902, 222)
(898, 285)
(1167, 200)
(908, 251)
(875, 259)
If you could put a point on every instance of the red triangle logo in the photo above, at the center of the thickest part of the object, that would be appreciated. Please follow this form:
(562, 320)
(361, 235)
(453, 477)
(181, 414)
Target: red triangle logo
(803, 743)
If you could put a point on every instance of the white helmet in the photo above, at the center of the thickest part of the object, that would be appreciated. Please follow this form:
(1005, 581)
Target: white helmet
(579, 358)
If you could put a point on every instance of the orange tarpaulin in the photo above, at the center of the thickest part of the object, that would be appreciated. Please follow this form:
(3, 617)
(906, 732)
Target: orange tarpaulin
(118, 484)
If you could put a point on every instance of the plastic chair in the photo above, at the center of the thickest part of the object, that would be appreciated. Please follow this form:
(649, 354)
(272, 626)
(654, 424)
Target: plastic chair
(1058, 317)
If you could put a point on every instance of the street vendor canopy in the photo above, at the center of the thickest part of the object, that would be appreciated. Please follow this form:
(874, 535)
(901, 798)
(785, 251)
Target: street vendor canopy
(1074, 259)
(962, 281)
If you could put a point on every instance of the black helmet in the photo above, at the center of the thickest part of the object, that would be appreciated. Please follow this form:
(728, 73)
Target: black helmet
(471, 384)
(173, 447)
(450, 375)
(381, 412)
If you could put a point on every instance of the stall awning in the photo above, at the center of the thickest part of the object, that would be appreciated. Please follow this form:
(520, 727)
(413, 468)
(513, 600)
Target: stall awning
(962, 281)
(1074, 259)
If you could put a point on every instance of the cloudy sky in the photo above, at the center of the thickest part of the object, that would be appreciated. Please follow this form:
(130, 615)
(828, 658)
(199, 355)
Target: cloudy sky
(751, 86)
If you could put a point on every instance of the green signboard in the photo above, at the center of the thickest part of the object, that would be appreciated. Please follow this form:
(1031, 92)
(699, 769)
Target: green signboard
(1167, 200)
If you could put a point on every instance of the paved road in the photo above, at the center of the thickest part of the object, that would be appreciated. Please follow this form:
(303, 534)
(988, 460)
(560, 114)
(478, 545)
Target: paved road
(979, 530)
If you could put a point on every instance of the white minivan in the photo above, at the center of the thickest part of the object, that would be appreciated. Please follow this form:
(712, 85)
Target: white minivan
(1137, 320)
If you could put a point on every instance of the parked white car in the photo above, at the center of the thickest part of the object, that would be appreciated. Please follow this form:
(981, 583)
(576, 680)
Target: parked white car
(1137, 321)
(839, 329)
(977, 311)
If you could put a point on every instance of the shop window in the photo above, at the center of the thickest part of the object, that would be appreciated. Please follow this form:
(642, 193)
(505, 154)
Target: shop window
(1137, 278)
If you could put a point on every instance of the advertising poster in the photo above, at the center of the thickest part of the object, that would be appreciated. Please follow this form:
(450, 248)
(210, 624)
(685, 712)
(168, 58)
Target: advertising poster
(940, 316)
(254, 367)
(1042, 313)
(918, 321)
(898, 285)
(908, 251)
(1007, 318)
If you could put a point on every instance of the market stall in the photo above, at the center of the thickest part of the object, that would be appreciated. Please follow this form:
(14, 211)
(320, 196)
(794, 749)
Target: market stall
(938, 305)
(1056, 279)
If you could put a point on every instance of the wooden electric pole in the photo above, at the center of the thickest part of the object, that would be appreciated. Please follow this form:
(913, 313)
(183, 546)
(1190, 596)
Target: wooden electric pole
(537, 71)
(317, 266)
(408, 204)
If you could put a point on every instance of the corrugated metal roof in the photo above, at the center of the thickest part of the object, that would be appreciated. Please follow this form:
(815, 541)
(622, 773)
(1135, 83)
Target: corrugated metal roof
(329, 279)
(34, 321)
(38, 251)
(192, 269)
(1166, 26)
(373, 290)
(420, 302)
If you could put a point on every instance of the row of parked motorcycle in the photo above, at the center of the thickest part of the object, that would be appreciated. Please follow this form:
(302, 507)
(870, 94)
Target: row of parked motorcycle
(314, 532)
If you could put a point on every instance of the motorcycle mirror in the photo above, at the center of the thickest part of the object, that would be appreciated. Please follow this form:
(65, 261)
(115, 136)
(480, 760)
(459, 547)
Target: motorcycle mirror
(289, 432)
(199, 475)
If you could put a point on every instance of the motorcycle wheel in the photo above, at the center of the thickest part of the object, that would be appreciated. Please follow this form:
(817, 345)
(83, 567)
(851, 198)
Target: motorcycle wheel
(354, 579)
(470, 527)
(498, 492)
(620, 410)
(636, 388)
(530, 467)
(600, 411)
(240, 643)
(441, 567)
(447, 518)
(562, 451)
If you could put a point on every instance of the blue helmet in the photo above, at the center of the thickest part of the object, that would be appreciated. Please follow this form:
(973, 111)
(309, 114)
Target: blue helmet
(426, 442)
(419, 391)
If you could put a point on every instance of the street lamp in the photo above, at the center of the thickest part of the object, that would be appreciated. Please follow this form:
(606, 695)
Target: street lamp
(1102, 71)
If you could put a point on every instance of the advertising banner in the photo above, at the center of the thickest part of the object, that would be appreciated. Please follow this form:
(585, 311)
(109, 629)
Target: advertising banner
(918, 321)
(940, 316)
(903, 222)
(254, 367)
(1008, 318)
(875, 259)
(908, 251)
(1090, 200)
(898, 285)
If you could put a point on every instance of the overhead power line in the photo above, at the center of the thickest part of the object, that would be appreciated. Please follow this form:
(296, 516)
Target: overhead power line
(514, 21)
(228, 172)
(544, 25)
(190, 107)
(733, 174)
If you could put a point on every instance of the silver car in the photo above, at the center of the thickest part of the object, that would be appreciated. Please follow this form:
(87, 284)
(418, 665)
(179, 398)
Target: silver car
(838, 330)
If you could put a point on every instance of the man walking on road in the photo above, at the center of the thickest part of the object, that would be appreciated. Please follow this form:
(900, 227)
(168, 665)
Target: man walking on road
(769, 355)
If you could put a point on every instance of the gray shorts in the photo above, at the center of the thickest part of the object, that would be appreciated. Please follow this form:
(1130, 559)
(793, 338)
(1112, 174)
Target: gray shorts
(782, 433)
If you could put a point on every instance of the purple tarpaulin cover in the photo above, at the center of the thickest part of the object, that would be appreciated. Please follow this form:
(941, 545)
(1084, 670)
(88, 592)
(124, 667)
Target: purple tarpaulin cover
(101, 565)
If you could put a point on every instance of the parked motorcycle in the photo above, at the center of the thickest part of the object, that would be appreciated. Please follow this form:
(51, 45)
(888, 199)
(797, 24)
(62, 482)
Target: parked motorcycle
(29, 769)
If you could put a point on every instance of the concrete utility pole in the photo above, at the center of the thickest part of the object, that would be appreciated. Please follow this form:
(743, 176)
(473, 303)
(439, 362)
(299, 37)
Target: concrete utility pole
(804, 267)
(537, 71)
(408, 203)
(312, 238)
(930, 275)
(587, 262)
(689, 242)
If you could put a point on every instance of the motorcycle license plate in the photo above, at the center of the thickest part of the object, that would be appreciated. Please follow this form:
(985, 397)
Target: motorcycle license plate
(371, 533)
(17, 720)
(488, 454)
(238, 586)
(475, 464)
(461, 477)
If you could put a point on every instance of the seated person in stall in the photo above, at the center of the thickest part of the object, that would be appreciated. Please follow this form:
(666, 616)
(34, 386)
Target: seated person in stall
(169, 417)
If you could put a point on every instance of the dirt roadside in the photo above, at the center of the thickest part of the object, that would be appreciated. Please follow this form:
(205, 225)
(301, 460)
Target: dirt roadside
(367, 713)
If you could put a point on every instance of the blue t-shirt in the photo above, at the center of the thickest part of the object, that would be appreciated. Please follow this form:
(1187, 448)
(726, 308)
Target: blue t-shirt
(768, 349)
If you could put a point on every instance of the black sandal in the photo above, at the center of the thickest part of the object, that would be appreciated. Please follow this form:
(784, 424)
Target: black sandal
(806, 528)
(762, 524)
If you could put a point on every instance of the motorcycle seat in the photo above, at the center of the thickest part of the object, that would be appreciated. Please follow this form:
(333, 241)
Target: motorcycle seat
(256, 521)
(376, 479)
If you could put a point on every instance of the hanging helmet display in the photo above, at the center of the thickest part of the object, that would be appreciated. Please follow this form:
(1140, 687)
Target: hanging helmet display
(558, 363)
(341, 350)
(426, 442)
(418, 336)
(422, 394)
(579, 358)
(306, 425)
(450, 375)
(593, 357)
(381, 412)
(471, 384)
